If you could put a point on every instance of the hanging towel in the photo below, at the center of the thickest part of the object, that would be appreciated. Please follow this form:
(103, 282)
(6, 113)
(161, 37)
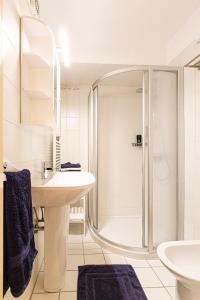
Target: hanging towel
(70, 165)
(19, 235)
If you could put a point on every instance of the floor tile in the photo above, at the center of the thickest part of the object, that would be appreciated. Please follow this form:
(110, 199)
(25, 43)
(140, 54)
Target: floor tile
(46, 296)
(95, 259)
(73, 261)
(75, 246)
(106, 251)
(93, 251)
(91, 246)
(155, 263)
(157, 294)
(165, 276)
(137, 263)
(68, 296)
(87, 238)
(39, 286)
(70, 281)
(147, 277)
(75, 238)
(74, 251)
(171, 291)
(114, 259)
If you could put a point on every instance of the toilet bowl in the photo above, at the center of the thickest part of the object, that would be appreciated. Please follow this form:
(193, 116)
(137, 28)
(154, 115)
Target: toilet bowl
(182, 259)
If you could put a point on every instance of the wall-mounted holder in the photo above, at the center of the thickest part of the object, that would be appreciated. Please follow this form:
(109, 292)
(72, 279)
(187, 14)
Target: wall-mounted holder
(37, 73)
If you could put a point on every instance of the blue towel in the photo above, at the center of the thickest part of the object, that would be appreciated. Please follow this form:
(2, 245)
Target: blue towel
(109, 282)
(69, 165)
(19, 248)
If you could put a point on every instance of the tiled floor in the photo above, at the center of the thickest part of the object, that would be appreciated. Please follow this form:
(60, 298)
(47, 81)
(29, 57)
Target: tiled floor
(156, 280)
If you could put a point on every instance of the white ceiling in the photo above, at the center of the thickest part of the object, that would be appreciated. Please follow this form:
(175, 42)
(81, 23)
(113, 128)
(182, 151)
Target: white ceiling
(87, 74)
(117, 31)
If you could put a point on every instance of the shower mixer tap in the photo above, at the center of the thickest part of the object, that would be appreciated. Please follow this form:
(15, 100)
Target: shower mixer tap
(139, 141)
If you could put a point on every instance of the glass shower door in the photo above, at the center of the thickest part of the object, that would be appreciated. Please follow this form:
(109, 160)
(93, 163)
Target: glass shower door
(134, 156)
(164, 154)
(93, 154)
(121, 191)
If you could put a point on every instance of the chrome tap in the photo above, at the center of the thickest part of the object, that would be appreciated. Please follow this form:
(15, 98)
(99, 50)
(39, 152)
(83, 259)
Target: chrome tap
(44, 170)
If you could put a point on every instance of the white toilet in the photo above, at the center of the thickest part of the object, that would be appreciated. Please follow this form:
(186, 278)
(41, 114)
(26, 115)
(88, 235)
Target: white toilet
(182, 258)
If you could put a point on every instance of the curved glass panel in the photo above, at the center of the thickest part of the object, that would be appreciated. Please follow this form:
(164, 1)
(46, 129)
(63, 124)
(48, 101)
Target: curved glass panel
(133, 154)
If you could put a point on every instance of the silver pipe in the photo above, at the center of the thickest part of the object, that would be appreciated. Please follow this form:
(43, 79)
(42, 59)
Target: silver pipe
(143, 159)
(181, 157)
(150, 167)
(96, 214)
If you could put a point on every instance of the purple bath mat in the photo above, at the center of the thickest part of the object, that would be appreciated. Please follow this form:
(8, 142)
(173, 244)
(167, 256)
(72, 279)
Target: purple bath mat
(109, 282)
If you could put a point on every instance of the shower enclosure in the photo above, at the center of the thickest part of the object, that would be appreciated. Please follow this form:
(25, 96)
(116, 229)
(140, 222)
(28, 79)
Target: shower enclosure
(134, 141)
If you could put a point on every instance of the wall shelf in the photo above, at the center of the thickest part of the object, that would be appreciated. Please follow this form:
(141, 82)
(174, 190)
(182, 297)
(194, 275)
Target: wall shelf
(33, 94)
(37, 73)
(35, 60)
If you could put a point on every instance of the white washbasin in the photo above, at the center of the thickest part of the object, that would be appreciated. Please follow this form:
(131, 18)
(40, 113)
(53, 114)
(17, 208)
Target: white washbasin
(61, 188)
(55, 194)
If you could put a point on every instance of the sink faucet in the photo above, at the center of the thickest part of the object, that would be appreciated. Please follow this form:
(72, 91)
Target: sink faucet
(44, 170)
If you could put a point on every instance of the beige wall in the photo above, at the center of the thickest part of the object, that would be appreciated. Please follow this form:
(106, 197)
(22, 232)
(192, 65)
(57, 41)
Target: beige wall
(23, 146)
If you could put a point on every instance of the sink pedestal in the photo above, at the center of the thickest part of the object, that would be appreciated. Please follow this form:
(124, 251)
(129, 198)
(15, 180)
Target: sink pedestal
(55, 241)
(55, 194)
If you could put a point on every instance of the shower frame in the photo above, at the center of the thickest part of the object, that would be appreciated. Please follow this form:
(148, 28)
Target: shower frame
(147, 248)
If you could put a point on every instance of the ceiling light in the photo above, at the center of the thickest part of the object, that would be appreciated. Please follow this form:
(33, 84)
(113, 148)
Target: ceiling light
(64, 46)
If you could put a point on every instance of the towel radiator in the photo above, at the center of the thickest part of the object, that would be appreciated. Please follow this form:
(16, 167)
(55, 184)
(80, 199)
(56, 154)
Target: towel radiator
(57, 153)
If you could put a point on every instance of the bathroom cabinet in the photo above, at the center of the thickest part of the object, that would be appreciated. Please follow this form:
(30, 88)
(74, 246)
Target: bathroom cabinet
(37, 73)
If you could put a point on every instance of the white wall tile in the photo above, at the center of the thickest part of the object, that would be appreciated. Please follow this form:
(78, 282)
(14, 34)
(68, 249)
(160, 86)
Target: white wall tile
(74, 126)
(11, 22)
(24, 146)
(11, 68)
(120, 120)
(11, 102)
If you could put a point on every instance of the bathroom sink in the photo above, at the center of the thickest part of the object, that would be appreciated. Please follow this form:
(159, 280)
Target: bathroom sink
(61, 188)
(55, 194)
